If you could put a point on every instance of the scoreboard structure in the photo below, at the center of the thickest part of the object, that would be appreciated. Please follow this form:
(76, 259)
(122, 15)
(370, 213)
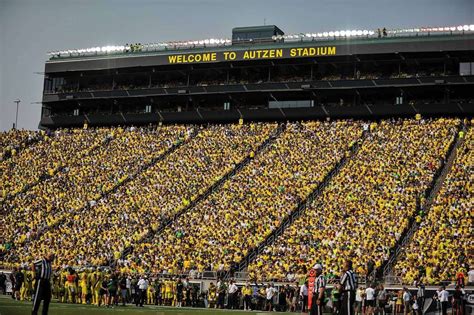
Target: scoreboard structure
(262, 79)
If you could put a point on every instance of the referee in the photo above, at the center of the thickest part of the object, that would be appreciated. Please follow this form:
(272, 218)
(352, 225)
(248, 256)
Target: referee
(349, 286)
(42, 271)
(318, 294)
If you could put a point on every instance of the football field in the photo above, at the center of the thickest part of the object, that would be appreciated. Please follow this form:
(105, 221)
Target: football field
(8, 306)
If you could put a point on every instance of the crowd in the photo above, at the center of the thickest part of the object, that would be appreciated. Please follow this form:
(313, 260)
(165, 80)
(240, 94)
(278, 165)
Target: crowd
(83, 213)
(99, 233)
(439, 249)
(108, 288)
(53, 151)
(13, 140)
(367, 205)
(112, 156)
(220, 230)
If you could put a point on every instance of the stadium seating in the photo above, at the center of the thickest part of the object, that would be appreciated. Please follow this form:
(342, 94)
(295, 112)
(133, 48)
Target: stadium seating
(440, 248)
(366, 207)
(85, 176)
(361, 214)
(12, 140)
(237, 217)
(45, 157)
(128, 214)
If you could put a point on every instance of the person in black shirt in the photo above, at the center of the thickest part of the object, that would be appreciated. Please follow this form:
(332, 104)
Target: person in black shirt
(282, 305)
(3, 283)
(123, 289)
(19, 279)
(12, 281)
(112, 290)
(179, 292)
(290, 298)
(103, 292)
(457, 301)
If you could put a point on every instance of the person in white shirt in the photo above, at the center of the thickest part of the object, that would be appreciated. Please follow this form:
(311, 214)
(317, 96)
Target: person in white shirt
(470, 276)
(232, 298)
(406, 301)
(415, 307)
(370, 300)
(304, 295)
(443, 297)
(359, 297)
(142, 287)
(270, 291)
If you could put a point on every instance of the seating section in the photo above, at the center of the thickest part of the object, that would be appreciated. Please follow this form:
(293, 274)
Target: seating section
(440, 248)
(89, 194)
(45, 157)
(11, 141)
(367, 206)
(236, 218)
(96, 234)
(115, 155)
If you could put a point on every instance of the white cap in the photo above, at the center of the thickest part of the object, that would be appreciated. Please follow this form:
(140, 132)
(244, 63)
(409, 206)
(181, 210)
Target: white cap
(318, 266)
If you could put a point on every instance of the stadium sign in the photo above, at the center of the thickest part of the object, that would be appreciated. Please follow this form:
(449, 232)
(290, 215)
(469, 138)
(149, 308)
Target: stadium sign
(254, 54)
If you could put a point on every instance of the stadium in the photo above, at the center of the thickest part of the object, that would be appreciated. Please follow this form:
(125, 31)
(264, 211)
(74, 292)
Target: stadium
(221, 173)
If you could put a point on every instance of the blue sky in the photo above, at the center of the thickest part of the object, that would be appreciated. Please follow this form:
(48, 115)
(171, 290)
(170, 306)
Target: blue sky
(30, 28)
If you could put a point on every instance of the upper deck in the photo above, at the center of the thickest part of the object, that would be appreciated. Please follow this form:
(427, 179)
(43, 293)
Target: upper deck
(158, 55)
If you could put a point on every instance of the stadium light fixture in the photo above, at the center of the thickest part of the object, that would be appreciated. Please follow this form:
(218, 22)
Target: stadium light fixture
(291, 37)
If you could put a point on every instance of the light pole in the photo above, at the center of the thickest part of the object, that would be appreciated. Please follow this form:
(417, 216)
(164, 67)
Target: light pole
(16, 118)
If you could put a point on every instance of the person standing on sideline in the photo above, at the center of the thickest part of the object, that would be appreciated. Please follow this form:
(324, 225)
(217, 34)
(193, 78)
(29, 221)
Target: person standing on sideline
(304, 296)
(443, 297)
(142, 287)
(349, 286)
(420, 296)
(370, 299)
(42, 271)
(406, 301)
(318, 294)
(232, 295)
(3, 283)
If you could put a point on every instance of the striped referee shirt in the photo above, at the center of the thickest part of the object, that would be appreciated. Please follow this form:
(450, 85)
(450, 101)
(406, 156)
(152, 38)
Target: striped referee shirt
(349, 281)
(43, 269)
(320, 283)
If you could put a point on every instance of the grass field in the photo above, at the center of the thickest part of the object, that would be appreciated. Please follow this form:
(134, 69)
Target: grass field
(8, 306)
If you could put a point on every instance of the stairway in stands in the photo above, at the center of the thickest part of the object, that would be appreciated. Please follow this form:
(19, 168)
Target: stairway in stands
(431, 193)
(298, 211)
(216, 185)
